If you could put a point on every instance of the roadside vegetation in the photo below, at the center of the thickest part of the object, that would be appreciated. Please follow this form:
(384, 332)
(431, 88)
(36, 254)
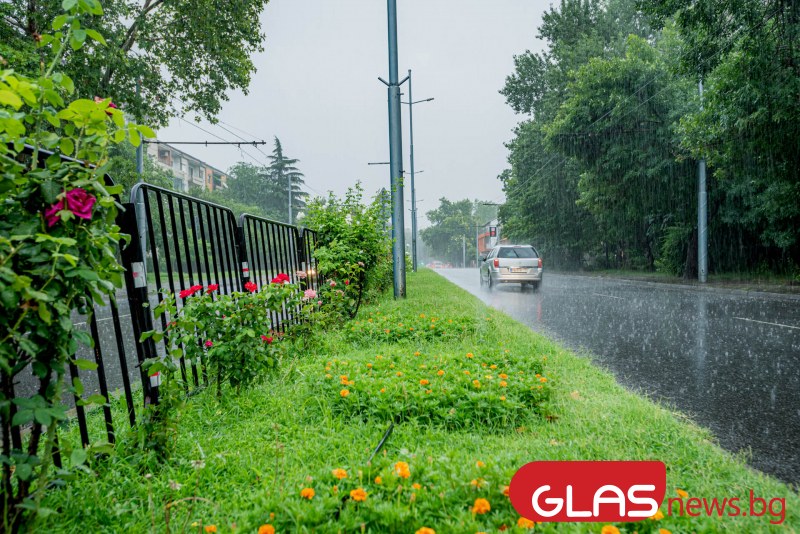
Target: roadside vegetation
(292, 453)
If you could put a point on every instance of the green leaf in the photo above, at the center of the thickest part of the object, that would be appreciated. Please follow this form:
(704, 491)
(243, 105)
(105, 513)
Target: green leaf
(7, 98)
(95, 399)
(146, 131)
(67, 146)
(78, 386)
(94, 34)
(135, 137)
(78, 457)
(84, 338)
(66, 5)
(60, 21)
(84, 365)
(23, 471)
(44, 313)
(22, 417)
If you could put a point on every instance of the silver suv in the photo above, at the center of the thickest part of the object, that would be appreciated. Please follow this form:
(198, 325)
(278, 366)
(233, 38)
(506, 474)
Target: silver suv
(506, 264)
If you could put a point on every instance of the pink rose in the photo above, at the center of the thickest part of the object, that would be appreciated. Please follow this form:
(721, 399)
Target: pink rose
(209, 343)
(80, 203)
(309, 294)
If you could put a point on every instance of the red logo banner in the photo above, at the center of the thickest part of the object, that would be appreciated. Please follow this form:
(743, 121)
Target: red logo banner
(588, 491)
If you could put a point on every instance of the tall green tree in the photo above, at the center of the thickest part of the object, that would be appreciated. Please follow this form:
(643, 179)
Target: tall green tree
(748, 54)
(186, 55)
(253, 185)
(452, 226)
(288, 180)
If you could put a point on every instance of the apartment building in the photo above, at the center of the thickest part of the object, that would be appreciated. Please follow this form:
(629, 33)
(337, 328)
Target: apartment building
(187, 170)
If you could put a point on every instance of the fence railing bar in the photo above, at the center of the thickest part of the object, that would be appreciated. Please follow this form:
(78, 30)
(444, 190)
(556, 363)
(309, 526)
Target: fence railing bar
(123, 361)
(221, 280)
(170, 275)
(101, 376)
(187, 252)
(180, 263)
(84, 430)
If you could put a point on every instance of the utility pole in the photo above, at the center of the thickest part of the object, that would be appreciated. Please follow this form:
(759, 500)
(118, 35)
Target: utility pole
(464, 251)
(702, 212)
(141, 219)
(396, 157)
(413, 191)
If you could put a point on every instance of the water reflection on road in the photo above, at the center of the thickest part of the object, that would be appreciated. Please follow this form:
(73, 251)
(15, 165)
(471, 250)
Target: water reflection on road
(730, 360)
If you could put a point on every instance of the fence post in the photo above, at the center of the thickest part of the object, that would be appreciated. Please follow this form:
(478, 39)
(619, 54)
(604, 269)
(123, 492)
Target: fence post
(136, 284)
(241, 251)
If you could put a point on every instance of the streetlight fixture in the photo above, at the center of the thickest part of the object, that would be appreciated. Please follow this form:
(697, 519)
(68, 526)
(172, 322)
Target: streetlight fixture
(410, 104)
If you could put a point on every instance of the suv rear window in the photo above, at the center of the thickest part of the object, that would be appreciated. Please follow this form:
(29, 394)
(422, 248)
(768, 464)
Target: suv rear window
(517, 252)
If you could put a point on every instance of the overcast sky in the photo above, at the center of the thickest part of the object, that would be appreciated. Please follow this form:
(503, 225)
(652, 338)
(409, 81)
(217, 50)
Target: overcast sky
(317, 90)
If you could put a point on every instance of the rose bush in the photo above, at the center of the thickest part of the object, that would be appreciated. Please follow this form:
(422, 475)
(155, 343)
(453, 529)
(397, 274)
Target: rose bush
(58, 246)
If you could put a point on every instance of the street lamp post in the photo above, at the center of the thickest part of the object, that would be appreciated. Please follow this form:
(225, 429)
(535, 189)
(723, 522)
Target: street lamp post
(413, 189)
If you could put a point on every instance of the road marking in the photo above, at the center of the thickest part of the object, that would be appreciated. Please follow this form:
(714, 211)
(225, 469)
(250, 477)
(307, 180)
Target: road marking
(765, 322)
(609, 296)
(103, 319)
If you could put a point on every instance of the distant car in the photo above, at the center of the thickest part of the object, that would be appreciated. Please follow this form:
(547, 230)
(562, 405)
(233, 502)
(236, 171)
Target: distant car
(436, 264)
(509, 264)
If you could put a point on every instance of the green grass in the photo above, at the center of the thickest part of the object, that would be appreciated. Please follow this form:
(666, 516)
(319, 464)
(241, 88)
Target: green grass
(244, 461)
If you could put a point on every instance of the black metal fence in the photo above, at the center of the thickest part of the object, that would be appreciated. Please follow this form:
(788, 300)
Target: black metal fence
(177, 241)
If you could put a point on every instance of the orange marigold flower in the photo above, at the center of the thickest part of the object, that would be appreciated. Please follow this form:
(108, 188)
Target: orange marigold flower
(210, 529)
(503, 376)
(664, 531)
(476, 383)
(503, 383)
(469, 355)
(476, 482)
(543, 379)
(402, 470)
(428, 391)
(307, 493)
(525, 523)
(503, 398)
(358, 495)
(440, 372)
(344, 393)
(658, 515)
(424, 382)
(378, 480)
(383, 390)
(335, 489)
(609, 529)
(480, 464)
(343, 378)
(417, 353)
(682, 494)
(425, 530)
(399, 373)
(493, 366)
(506, 490)
(339, 473)
(266, 529)
(369, 365)
(466, 372)
(416, 486)
(481, 506)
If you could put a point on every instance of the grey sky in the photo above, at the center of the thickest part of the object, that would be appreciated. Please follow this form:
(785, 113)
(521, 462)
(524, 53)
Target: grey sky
(317, 89)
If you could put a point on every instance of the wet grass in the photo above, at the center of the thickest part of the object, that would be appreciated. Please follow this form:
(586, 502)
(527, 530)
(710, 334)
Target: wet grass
(242, 462)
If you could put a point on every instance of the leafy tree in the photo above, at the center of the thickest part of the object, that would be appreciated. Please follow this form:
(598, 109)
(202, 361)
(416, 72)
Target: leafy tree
(748, 54)
(630, 181)
(253, 185)
(451, 224)
(287, 179)
(185, 54)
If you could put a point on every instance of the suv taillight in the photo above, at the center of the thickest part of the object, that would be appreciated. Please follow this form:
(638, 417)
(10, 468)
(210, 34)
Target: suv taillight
(540, 263)
(496, 262)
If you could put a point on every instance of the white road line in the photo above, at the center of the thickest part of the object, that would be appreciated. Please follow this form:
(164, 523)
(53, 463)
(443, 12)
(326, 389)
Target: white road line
(103, 319)
(609, 296)
(765, 322)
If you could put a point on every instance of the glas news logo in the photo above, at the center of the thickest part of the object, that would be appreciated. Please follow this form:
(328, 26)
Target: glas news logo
(588, 491)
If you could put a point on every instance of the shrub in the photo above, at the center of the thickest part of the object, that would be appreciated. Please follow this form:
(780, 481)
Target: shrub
(350, 232)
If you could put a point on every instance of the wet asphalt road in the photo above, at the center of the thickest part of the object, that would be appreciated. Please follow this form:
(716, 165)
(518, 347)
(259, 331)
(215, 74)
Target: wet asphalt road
(729, 360)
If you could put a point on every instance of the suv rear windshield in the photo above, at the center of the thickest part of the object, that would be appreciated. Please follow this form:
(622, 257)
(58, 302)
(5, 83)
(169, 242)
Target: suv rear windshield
(517, 252)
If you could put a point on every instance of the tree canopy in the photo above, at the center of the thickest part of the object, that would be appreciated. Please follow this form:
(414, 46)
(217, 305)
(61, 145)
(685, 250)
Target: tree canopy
(185, 55)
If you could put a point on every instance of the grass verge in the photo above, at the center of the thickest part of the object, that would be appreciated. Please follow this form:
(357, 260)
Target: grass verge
(243, 462)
